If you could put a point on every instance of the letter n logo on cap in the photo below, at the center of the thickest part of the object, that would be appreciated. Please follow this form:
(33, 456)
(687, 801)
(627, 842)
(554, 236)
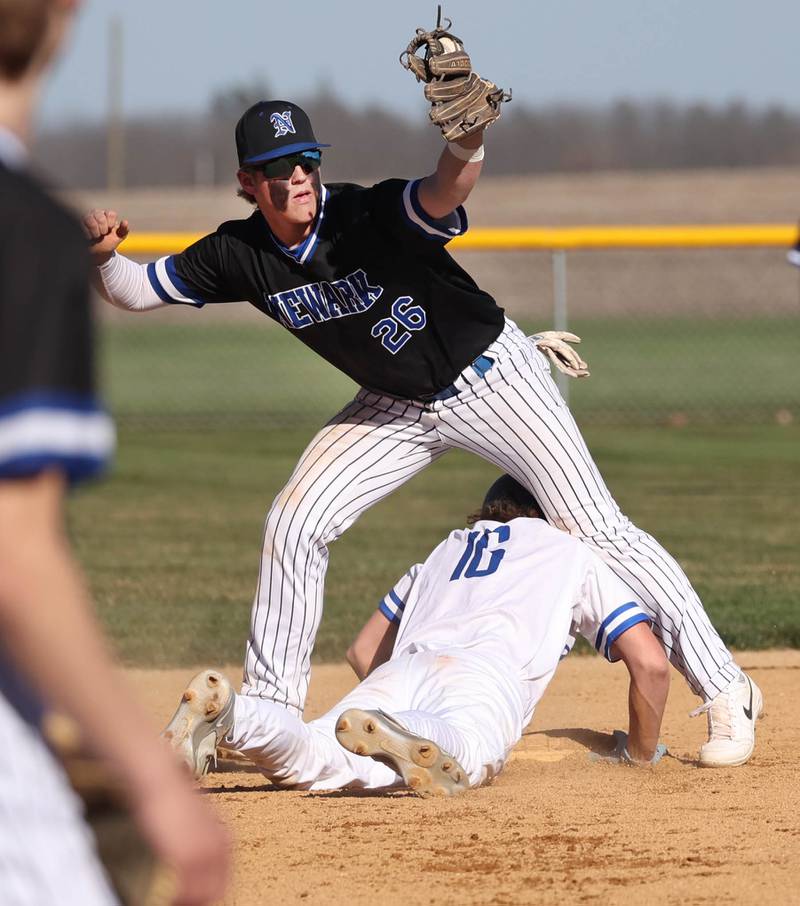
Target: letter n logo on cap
(282, 123)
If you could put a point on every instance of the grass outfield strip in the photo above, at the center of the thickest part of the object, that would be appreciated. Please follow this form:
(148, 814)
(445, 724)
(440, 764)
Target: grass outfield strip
(171, 541)
(710, 370)
(644, 370)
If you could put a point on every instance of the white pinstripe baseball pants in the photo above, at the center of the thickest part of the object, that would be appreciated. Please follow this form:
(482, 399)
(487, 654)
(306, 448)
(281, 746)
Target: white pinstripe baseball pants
(514, 417)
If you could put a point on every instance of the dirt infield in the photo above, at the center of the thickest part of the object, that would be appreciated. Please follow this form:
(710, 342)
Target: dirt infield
(553, 828)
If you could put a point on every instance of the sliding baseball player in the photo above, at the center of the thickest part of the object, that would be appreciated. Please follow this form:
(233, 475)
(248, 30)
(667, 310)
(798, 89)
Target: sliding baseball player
(453, 663)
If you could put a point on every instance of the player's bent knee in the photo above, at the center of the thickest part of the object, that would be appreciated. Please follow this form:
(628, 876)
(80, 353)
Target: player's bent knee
(288, 501)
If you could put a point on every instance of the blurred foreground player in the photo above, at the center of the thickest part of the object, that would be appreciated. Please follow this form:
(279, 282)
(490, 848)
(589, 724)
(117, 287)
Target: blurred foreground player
(455, 660)
(53, 433)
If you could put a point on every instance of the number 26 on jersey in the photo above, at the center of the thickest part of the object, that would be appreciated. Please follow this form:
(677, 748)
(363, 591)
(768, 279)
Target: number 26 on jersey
(395, 331)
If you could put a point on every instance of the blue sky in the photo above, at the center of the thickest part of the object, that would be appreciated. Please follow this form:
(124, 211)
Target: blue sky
(178, 52)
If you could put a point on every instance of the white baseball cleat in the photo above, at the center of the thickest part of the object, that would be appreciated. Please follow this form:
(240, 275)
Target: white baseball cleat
(424, 767)
(203, 719)
(732, 717)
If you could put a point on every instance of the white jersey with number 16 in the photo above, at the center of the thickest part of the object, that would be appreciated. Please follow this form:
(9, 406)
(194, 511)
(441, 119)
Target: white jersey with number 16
(516, 591)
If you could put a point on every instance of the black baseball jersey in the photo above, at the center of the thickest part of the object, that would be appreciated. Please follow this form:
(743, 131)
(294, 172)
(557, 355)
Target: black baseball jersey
(49, 416)
(372, 289)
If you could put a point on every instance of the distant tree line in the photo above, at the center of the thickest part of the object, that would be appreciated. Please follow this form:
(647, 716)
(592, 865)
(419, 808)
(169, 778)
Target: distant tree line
(371, 143)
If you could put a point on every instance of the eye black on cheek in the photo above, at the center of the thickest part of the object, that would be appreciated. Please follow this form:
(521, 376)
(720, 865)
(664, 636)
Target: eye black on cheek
(279, 194)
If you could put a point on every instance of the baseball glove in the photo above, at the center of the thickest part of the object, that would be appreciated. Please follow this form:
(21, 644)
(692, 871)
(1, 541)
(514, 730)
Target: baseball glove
(555, 345)
(461, 101)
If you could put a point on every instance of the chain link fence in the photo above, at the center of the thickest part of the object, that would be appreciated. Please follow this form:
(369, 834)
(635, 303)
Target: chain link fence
(679, 336)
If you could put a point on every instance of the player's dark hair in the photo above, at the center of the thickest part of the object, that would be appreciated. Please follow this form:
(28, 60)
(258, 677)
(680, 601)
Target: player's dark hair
(250, 199)
(23, 26)
(240, 192)
(507, 499)
(504, 511)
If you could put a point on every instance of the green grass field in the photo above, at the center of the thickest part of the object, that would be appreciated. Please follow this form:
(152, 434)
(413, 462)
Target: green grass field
(171, 541)
(714, 371)
(644, 370)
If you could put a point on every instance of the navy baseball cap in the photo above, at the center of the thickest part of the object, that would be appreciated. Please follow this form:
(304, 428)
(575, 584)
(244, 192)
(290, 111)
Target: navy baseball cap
(271, 129)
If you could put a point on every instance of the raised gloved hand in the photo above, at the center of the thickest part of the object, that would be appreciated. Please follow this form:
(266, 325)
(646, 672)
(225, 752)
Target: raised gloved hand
(555, 345)
(461, 101)
(620, 755)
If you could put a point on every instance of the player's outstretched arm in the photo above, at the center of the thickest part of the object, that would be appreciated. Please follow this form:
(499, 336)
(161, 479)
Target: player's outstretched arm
(121, 282)
(373, 645)
(455, 177)
(463, 105)
(649, 671)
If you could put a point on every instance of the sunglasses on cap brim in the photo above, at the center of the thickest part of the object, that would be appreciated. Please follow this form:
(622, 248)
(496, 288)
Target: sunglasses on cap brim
(283, 167)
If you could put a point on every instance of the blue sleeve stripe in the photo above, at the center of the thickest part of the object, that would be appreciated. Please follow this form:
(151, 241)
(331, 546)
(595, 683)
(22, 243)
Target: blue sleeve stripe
(156, 283)
(617, 631)
(390, 615)
(419, 210)
(463, 223)
(49, 399)
(401, 605)
(76, 467)
(45, 429)
(610, 619)
(179, 283)
(442, 226)
(40, 431)
(445, 229)
(169, 286)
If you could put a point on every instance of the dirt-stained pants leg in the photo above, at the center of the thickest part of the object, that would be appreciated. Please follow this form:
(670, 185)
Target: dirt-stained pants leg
(372, 447)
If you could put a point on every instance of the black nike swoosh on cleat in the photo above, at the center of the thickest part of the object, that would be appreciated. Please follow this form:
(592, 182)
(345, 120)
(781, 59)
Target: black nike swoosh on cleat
(748, 711)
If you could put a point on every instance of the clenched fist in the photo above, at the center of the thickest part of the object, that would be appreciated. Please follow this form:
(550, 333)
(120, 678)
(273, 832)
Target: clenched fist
(105, 230)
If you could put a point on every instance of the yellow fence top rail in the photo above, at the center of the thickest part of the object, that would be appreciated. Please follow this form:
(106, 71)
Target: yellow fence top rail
(551, 238)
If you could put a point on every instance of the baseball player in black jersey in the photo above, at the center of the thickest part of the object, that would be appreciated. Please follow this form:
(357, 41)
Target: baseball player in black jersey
(363, 277)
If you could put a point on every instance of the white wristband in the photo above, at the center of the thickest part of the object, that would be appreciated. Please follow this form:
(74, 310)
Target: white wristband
(470, 155)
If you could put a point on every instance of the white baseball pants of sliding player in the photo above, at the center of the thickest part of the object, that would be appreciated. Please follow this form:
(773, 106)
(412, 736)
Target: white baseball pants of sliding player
(513, 416)
(457, 699)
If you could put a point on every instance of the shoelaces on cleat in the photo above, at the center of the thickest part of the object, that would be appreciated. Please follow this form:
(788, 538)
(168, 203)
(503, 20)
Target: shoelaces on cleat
(719, 714)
